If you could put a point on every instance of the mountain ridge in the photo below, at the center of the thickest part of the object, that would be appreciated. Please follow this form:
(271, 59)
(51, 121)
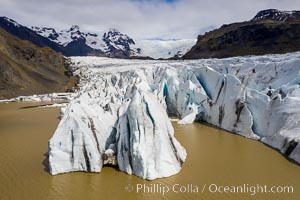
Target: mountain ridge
(269, 32)
(25, 33)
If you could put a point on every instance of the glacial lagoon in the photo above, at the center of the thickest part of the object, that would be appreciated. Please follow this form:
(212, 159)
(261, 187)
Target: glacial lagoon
(215, 157)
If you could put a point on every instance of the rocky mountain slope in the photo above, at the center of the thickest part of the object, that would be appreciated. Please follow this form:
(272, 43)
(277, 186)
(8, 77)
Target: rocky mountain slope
(26, 69)
(270, 31)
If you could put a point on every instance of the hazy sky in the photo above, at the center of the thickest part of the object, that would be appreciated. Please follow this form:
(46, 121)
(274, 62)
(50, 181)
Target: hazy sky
(165, 19)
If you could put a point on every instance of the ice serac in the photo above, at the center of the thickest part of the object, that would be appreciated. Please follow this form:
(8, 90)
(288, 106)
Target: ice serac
(79, 141)
(225, 106)
(145, 139)
(116, 120)
(203, 94)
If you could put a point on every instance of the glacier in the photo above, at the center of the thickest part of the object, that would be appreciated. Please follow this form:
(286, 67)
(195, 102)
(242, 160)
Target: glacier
(119, 116)
(156, 48)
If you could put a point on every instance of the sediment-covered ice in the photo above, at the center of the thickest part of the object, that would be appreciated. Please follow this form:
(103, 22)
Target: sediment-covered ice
(119, 116)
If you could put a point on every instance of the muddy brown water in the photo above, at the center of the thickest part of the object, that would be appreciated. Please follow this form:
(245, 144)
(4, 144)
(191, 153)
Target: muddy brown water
(215, 157)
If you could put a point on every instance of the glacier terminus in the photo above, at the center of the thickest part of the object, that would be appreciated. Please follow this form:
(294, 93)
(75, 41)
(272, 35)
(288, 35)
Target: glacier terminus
(119, 115)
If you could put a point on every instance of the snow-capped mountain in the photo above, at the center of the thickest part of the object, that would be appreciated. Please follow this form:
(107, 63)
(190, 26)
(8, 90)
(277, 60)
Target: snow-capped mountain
(277, 15)
(165, 48)
(114, 40)
(111, 43)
